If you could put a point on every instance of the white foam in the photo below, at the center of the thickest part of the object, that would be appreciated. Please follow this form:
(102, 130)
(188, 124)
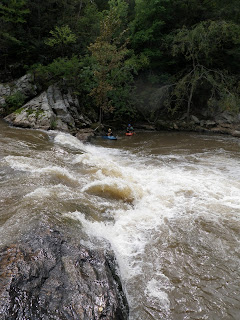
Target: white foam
(39, 167)
(59, 191)
(67, 140)
(157, 289)
(125, 243)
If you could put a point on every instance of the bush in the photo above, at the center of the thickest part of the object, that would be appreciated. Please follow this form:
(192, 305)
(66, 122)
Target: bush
(15, 101)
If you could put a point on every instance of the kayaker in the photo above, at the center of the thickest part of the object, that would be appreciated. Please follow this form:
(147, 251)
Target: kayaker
(109, 133)
(130, 128)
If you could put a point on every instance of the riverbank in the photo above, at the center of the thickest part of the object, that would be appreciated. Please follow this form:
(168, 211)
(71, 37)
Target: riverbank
(60, 110)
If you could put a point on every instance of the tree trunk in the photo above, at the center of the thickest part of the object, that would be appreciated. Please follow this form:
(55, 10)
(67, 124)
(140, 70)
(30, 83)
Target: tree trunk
(100, 115)
(189, 102)
(79, 9)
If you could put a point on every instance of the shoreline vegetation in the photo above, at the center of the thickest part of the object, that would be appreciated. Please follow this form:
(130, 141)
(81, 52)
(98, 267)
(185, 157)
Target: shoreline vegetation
(171, 64)
(58, 108)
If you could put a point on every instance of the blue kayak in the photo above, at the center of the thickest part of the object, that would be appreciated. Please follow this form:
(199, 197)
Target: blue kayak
(109, 137)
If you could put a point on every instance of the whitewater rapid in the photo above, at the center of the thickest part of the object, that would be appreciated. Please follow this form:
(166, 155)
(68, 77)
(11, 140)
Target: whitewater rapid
(159, 190)
(171, 215)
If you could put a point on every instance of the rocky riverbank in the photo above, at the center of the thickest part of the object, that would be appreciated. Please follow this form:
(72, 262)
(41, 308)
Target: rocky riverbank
(220, 123)
(61, 110)
(47, 275)
(50, 109)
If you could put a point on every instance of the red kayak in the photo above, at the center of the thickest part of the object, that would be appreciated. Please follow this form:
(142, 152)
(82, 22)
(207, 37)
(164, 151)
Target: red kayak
(129, 133)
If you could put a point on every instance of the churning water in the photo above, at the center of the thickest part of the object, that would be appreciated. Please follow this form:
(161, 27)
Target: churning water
(168, 204)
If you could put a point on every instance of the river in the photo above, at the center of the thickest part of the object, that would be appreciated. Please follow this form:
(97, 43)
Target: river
(168, 203)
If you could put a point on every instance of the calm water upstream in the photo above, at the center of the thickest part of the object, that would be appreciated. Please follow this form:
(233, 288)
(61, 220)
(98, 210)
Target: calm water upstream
(168, 203)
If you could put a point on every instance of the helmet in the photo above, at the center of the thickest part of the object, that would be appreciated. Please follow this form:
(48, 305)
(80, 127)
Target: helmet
(129, 125)
(109, 129)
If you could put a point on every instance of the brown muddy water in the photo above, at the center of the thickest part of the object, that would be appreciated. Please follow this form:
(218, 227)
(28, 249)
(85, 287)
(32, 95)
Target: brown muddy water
(167, 203)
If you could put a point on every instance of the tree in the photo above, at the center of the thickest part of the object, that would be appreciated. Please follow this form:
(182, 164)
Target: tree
(227, 10)
(109, 53)
(13, 11)
(74, 73)
(88, 26)
(200, 47)
(61, 38)
(12, 15)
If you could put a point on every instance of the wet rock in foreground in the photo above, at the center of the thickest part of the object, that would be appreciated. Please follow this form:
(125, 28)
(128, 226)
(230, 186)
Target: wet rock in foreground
(49, 277)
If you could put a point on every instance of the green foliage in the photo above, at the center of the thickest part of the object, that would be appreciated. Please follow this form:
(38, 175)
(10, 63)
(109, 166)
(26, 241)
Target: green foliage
(189, 12)
(219, 87)
(73, 72)
(191, 47)
(120, 7)
(121, 94)
(88, 26)
(13, 11)
(227, 10)
(13, 14)
(53, 124)
(61, 38)
(60, 68)
(205, 41)
(201, 46)
(8, 39)
(146, 30)
(15, 101)
(109, 52)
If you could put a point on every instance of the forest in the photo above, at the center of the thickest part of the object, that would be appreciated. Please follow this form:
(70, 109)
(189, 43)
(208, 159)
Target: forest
(127, 59)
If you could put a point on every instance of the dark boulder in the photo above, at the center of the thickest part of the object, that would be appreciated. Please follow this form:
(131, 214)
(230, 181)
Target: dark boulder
(47, 276)
(85, 135)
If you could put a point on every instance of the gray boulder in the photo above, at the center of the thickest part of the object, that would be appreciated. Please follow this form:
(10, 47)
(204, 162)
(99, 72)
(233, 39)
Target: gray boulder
(52, 109)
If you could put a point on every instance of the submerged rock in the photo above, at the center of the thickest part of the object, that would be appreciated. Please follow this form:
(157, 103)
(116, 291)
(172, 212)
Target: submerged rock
(85, 134)
(47, 276)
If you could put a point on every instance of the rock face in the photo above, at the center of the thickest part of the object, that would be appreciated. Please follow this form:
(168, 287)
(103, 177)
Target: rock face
(49, 277)
(5, 91)
(25, 85)
(52, 109)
